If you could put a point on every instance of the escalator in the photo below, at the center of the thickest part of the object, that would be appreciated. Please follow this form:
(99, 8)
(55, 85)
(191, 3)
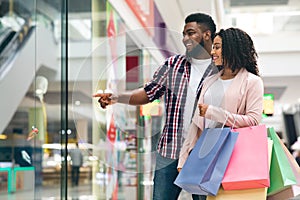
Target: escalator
(21, 55)
(8, 45)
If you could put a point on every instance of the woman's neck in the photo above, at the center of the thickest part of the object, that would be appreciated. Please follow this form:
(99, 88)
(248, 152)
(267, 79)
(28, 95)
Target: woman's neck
(228, 73)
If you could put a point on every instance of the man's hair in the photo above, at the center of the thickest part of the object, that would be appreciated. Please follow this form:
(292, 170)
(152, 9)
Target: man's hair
(205, 21)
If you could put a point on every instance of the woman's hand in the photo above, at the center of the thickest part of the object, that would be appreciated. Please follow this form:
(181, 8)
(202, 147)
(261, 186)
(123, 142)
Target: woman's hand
(202, 109)
(179, 169)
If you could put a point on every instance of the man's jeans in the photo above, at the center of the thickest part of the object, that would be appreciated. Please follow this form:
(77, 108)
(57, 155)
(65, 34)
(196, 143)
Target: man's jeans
(164, 177)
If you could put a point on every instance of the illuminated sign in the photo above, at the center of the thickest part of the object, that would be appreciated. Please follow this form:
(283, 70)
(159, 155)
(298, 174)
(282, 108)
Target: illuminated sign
(268, 104)
(151, 109)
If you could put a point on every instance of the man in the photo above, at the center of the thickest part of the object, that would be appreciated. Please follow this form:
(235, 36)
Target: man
(76, 158)
(179, 79)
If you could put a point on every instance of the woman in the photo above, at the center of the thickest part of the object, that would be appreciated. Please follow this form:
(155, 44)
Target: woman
(234, 96)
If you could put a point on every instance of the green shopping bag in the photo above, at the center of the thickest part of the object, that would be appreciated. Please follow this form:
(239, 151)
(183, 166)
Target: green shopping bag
(281, 173)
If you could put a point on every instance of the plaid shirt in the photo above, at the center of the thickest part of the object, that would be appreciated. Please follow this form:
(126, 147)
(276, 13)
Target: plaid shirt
(172, 80)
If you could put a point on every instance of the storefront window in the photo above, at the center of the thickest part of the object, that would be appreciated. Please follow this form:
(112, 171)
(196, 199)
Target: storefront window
(56, 54)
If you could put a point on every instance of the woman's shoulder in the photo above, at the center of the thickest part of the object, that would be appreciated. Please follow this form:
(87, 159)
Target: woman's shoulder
(244, 74)
(253, 79)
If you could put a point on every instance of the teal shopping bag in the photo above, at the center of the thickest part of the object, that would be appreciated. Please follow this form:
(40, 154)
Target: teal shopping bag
(281, 173)
(204, 169)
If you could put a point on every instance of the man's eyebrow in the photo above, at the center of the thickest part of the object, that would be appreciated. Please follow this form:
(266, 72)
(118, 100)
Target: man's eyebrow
(187, 30)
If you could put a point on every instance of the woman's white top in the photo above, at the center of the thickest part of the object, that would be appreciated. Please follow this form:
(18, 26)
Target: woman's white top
(214, 96)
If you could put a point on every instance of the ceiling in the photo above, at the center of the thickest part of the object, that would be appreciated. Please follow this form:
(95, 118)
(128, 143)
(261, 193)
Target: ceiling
(236, 3)
(285, 13)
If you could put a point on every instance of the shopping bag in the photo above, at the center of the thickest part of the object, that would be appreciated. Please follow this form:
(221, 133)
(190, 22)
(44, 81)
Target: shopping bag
(281, 172)
(285, 194)
(292, 190)
(248, 166)
(245, 194)
(292, 161)
(204, 169)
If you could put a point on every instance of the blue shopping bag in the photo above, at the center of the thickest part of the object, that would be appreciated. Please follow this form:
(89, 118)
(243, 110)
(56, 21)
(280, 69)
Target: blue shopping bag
(205, 167)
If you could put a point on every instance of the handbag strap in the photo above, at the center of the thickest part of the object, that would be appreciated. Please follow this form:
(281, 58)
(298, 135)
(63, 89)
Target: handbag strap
(223, 123)
(225, 120)
(234, 117)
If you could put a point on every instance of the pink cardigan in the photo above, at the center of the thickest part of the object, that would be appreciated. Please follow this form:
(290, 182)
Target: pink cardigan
(242, 103)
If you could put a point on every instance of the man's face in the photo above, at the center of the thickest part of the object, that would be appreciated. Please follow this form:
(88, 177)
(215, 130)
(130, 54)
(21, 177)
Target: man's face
(193, 39)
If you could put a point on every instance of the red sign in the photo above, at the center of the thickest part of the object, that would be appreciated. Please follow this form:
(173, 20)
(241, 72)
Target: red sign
(111, 133)
(111, 30)
(144, 12)
(132, 69)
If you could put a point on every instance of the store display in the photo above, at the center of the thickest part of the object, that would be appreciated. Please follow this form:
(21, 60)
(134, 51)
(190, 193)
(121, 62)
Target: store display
(129, 176)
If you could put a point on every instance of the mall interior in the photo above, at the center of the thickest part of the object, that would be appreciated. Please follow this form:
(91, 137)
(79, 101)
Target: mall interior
(55, 54)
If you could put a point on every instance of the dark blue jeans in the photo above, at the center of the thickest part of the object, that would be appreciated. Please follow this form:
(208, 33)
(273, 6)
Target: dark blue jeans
(75, 175)
(164, 177)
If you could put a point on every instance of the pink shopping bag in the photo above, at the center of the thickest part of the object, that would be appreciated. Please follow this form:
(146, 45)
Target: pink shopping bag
(248, 166)
(245, 194)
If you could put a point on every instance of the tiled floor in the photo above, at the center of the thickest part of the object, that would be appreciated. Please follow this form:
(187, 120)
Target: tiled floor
(81, 192)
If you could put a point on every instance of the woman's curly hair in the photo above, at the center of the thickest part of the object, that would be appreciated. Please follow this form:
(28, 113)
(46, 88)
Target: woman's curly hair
(238, 50)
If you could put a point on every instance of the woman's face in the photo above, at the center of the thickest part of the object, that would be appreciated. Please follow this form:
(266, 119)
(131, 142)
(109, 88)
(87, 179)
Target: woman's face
(216, 51)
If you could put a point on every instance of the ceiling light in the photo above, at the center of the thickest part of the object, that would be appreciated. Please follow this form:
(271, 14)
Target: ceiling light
(3, 137)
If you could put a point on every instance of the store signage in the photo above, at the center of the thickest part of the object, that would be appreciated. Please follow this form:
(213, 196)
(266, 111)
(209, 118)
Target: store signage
(144, 12)
(268, 104)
